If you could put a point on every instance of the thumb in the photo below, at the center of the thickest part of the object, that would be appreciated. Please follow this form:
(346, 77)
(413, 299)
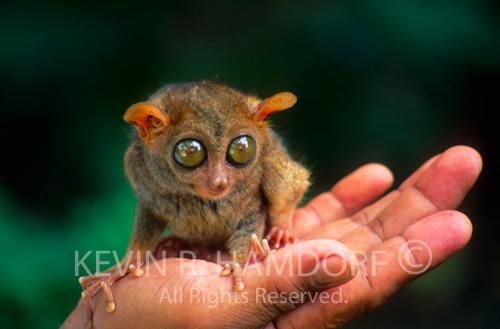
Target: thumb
(291, 276)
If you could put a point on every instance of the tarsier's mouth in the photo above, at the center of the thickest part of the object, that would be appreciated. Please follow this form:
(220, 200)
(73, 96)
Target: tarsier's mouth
(210, 193)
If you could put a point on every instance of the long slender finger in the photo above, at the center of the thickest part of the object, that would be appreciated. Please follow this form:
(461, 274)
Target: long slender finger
(416, 175)
(353, 192)
(339, 228)
(441, 186)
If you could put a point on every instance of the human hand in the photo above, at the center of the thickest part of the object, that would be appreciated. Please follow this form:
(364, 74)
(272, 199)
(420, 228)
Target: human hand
(418, 211)
(185, 293)
(411, 212)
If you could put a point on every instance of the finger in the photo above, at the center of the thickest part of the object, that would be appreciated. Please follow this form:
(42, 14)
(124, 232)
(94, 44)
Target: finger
(444, 233)
(355, 191)
(416, 175)
(340, 228)
(272, 287)
(441, 186)
(288, 278)
(420, 248)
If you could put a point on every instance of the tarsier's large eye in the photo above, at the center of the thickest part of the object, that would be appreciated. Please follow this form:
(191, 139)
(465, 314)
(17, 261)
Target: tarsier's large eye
(190, 153)
(241, 150)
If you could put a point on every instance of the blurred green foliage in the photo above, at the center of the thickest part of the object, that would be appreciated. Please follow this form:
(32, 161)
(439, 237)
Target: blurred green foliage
(377, 81)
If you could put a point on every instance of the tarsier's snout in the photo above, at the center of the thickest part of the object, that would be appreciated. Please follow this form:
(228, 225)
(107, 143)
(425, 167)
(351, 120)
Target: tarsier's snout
(215, 187)
(219, 183)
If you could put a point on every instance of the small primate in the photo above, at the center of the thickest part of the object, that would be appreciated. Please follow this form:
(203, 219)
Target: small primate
(205, 167)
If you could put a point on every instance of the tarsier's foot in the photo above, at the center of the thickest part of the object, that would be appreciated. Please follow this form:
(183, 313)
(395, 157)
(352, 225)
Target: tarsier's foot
(279, 237)
(260, 248)
(92, 284)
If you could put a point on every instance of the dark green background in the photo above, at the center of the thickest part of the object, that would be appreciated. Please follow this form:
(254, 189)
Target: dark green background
(377, 81)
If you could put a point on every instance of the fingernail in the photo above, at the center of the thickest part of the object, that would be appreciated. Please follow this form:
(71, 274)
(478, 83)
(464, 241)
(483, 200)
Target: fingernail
(334, 271)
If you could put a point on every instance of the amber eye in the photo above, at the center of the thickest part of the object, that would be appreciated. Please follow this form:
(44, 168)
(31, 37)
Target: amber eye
(241, 150)
(190, 153)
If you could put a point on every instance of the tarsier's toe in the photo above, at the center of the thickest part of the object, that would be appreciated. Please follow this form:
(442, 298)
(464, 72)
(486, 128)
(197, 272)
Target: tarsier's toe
(261, 248)
(280, 237)
(111, 307)
(239, 286)
(227, 270)
(135, 270)
(236, 269)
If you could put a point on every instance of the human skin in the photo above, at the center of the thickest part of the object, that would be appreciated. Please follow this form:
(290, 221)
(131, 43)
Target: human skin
(335, 227)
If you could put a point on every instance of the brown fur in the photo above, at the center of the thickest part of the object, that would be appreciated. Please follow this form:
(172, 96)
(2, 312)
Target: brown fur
(266, 190)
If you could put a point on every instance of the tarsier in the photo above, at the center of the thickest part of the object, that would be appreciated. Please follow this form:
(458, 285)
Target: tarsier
(205, 167)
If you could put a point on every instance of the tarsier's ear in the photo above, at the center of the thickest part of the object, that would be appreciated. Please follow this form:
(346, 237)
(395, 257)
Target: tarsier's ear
(262, 110)
(149, 120)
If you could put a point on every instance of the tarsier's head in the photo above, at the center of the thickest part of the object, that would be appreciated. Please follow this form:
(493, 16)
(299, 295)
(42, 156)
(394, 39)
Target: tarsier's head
(205, 137)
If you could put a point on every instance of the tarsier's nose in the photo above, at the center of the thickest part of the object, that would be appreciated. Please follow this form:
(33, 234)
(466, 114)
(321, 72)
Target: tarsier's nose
(219, 182)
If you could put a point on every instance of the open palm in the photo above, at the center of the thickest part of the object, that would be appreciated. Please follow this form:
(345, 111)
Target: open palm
(353, 254)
